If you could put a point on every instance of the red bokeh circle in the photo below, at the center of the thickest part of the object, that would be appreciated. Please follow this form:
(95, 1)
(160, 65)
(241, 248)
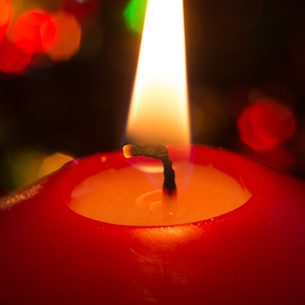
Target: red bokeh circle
(12, 58)
(266, 124)
(34, 31)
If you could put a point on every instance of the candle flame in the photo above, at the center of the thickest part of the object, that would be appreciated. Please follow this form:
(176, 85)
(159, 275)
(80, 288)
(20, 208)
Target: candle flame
(159, 107)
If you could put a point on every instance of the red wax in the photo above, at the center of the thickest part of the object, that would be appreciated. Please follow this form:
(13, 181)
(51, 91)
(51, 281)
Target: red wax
(252, 255)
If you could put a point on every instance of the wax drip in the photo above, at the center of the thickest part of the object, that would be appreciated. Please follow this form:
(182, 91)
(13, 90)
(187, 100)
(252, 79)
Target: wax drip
(159, 152)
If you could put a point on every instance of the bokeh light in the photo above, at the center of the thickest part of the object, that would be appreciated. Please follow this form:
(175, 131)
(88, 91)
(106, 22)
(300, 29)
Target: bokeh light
(52, 163)
(38, 32)
(67, 39)
(23, 166)
(266, 124)
(135, 14)
(12, 58)
(6, 13)
(34, 31)
(26, 166)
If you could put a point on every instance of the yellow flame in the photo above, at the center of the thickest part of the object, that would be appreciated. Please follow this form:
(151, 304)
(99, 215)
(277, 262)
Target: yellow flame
(159, 109)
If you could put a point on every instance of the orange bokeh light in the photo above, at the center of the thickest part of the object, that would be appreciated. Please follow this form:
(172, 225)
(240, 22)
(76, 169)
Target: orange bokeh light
(6, 13)
(13, 59)
(34, 31)
(67, 39)
(266, 124)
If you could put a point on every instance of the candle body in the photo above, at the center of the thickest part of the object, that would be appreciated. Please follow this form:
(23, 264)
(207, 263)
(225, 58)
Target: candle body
(253, 255)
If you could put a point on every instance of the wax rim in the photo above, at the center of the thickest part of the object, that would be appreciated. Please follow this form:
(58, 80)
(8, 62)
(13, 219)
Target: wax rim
(202, 155)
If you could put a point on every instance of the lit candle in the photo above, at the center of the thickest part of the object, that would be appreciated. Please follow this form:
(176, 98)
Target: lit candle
(159, 114)
(101, 231)
(252, 255)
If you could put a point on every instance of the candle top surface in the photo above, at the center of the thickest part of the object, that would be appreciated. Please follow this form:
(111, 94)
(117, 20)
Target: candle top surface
(131, 196)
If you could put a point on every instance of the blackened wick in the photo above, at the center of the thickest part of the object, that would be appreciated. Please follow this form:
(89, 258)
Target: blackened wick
(159, 152)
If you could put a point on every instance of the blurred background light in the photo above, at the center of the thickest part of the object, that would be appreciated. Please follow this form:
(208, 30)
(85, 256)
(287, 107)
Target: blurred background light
(34, 31)
(240, 54)
(28, 166)
(68, 37)
(43, 28)
(266, 124)
(134, 15)
(6, 14)
(52, 163)
(23, 166)
(12, 58)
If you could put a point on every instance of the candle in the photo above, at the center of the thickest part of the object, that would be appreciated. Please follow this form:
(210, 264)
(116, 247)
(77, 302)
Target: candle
(102, 231)
(252, 255)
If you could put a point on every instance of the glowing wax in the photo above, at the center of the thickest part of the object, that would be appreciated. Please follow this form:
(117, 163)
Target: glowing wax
(129, 196)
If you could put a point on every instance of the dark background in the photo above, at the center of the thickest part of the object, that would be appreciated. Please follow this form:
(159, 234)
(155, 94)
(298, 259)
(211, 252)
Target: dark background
(237, 50)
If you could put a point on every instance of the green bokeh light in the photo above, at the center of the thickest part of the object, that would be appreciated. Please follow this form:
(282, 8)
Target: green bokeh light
(134, 15)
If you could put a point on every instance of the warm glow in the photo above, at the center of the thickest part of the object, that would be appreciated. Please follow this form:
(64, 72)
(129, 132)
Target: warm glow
(34, 31)
(159, 109)
(266, 124)
(53, 163)
(12, 59)
(127, 197)
(6, 12)
(67, 39)
(134, 15)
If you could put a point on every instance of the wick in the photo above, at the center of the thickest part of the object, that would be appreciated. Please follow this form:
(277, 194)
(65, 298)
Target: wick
(159, 152)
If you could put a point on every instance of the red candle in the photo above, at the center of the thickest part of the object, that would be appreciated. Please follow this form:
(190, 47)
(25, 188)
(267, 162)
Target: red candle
(100, 231)
(252, 255)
